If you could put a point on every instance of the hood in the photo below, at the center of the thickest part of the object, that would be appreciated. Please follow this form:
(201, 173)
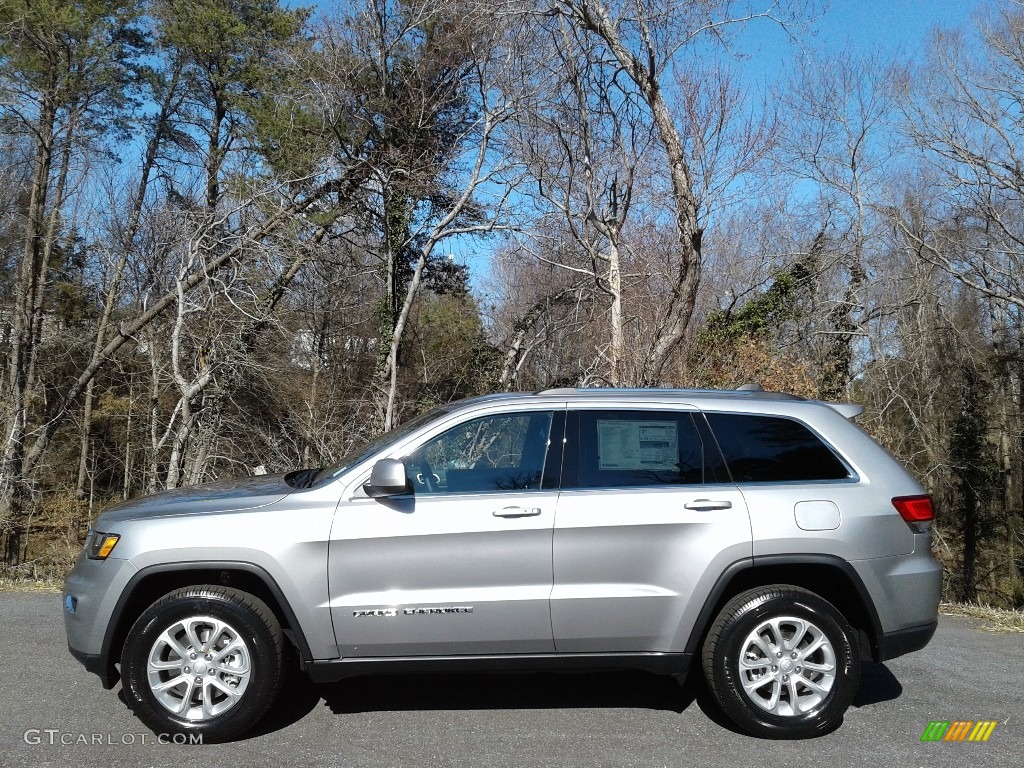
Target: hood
(222, 496)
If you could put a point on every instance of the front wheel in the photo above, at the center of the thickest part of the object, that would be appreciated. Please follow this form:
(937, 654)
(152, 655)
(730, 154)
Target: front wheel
(203, 661)
(781, 663)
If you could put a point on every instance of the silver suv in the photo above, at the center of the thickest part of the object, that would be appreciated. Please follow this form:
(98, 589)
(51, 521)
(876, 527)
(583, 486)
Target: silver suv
(761, 535)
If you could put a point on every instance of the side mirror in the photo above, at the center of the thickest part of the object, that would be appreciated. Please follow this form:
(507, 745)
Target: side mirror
(387, 479)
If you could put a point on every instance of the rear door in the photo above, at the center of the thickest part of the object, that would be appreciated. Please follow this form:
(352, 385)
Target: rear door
(644, 527)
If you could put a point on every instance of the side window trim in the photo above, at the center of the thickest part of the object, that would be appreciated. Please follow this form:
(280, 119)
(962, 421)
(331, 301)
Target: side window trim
(712, 450)
(571, 452)
(554, 460)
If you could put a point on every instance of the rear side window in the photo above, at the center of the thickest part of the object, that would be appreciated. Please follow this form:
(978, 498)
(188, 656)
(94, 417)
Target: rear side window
(770, 449)
(622, 449)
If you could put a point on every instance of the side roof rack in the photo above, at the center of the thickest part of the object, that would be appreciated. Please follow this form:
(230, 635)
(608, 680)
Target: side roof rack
(753, 391)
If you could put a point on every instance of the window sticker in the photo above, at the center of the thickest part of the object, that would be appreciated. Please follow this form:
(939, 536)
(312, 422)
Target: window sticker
(638, 445)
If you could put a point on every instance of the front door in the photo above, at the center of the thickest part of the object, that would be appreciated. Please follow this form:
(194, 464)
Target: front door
(461, 565)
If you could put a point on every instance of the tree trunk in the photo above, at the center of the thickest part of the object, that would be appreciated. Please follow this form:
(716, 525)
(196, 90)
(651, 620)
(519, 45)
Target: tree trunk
(396, 233)
(14, 488)
(113, 293)
(675, 320)
(615, 289)
(396, 339)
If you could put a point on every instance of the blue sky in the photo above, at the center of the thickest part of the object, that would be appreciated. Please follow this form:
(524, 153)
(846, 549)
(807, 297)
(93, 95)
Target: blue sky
(890, 24)
(889, 27)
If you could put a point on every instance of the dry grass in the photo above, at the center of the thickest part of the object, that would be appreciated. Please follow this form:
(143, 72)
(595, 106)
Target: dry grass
(28, 585)
(998, 619)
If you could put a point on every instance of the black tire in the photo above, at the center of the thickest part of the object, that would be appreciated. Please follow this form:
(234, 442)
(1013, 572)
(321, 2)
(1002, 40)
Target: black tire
(794, 701)
(242, 649)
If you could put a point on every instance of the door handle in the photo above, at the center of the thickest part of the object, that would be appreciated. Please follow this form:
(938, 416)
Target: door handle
(706, 505)
(516, 512)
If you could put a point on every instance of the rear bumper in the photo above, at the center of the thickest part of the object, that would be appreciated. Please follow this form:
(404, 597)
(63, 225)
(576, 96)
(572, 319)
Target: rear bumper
(893, 644)
(905, 592)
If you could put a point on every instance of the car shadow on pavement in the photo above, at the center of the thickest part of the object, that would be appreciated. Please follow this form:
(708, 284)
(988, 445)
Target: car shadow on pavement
(298, 697)
(877, 684)
(526, 690)
(469, 691)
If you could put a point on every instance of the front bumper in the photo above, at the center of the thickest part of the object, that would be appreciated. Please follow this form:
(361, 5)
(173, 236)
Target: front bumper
(91, 593)
(98, 665)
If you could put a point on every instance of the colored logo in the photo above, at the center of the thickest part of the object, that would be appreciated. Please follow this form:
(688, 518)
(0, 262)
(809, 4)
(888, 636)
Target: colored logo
(958, 730)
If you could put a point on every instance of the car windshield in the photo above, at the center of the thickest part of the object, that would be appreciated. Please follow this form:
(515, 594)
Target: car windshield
(380, 443)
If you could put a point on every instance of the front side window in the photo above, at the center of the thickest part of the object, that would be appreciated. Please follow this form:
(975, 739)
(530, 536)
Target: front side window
(621, 449)
(503, 452)
(772, 449)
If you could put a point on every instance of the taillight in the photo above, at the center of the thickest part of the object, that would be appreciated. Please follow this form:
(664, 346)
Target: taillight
(916, 510)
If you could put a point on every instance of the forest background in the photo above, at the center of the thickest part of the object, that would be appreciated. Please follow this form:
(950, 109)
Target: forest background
(233, 236)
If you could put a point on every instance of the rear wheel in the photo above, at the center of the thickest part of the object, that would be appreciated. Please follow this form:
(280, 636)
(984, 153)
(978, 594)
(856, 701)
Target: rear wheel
(203, 661)
(781, 663)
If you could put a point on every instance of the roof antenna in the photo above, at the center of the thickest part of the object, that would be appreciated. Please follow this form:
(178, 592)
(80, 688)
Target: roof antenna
(750, 388)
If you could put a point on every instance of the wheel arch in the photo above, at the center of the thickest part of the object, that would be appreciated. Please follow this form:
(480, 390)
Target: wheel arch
(151, 583)
(831, 577)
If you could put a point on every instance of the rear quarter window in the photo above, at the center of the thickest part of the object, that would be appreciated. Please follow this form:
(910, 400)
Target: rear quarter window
(772, 449)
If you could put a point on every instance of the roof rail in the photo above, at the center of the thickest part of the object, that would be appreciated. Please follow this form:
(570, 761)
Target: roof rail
(754, 391)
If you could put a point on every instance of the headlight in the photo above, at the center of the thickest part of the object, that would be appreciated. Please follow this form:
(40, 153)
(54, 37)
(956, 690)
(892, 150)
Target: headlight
(98, 546)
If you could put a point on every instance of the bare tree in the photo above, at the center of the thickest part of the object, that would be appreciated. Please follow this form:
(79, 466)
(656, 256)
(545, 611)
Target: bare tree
(540, 322)
(629, 132)
(838, 116)
(966, 117)
(124, 245)
(67, 74)
(584, 143)
(646, 38)
(425, 111)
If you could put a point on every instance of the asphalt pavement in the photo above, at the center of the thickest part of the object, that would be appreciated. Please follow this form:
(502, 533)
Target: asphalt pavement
(54, 713)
